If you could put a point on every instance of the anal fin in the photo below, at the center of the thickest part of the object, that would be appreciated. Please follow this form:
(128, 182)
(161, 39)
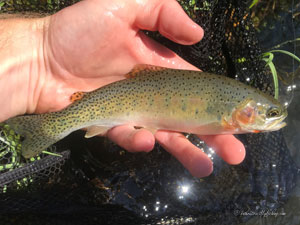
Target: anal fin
(96, 130)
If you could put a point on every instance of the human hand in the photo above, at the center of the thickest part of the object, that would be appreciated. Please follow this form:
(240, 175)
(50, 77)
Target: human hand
(93, 43)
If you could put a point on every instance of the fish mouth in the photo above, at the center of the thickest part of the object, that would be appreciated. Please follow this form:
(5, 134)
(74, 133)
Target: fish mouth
(276, 124)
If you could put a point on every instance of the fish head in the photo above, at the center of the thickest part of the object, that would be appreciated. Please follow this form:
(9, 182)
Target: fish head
(258, 116)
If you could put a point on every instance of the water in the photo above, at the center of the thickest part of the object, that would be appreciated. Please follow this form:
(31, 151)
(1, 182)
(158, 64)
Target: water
(285, 34)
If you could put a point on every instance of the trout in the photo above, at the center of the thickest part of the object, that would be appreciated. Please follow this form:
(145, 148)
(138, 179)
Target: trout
(156, 98)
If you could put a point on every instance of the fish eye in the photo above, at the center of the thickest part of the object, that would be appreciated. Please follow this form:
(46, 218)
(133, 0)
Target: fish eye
(273, 112)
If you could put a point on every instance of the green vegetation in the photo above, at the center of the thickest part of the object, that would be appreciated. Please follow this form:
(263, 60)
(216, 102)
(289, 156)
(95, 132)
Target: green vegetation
(268, 58)
(190, 7)
(254, 2)
(2, 3)
(264, 14)
(51, 153)
(11, 158)
(272, 9)
(10, 149)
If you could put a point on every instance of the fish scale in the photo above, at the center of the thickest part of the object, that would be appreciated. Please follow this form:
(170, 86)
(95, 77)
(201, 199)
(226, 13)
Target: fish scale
(154, 98)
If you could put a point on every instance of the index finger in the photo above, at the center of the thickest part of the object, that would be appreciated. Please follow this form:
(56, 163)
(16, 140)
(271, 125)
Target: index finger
(228, 147)
(190, 156)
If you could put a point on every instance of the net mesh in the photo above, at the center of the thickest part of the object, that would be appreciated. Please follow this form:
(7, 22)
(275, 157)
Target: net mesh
(40, 6)
(100, 183)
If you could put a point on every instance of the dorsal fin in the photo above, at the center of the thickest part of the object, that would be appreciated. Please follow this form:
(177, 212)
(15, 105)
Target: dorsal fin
(143, 67)
(76, 96)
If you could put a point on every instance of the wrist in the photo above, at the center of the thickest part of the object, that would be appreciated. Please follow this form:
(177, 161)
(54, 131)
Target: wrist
(21, 65)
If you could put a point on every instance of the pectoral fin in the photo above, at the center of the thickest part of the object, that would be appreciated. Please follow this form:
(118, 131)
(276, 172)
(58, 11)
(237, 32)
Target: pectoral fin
(95, 130)
(228, 126)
